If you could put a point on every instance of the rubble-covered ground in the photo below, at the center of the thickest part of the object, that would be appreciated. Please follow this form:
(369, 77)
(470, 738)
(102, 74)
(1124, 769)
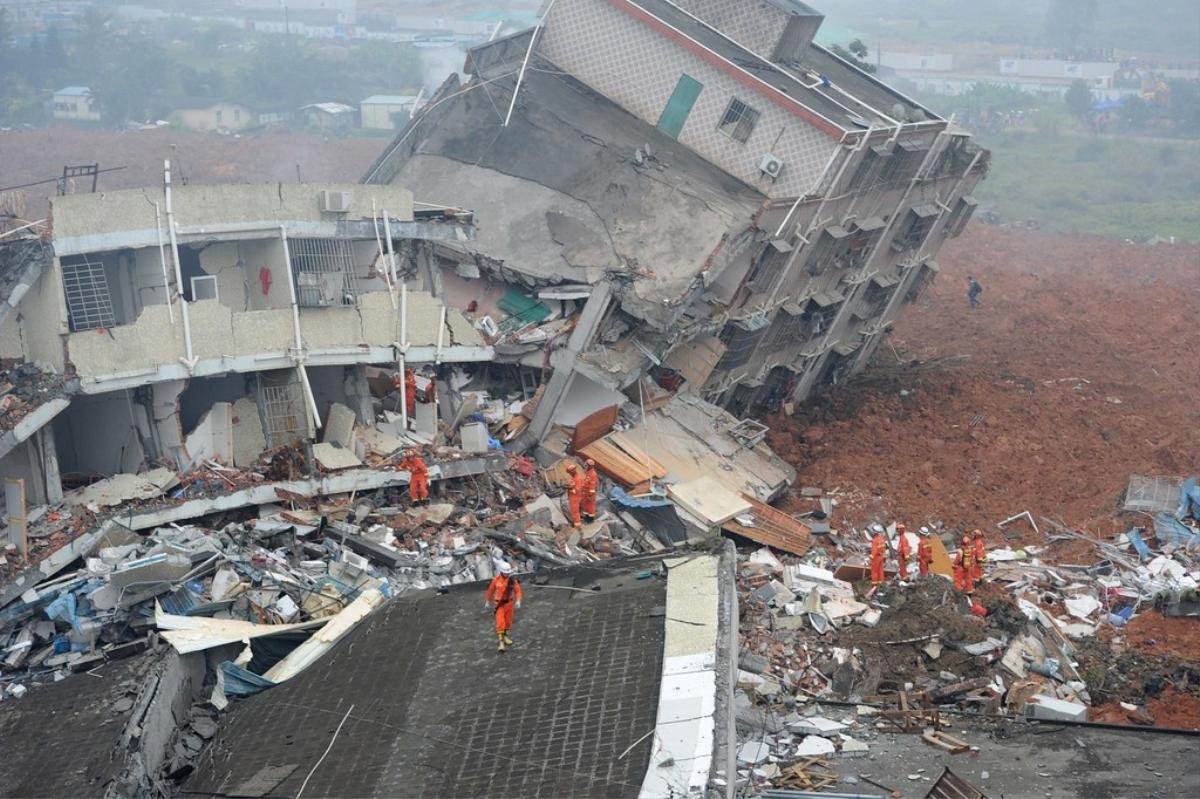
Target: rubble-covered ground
(1080, 369)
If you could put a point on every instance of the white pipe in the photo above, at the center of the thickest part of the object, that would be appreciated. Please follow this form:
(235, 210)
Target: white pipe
(828, 165)
(437, 358)
(162, 259)
(309, 399)
(190, 361)
(525, 63)
(287, 262)
(22, 227)
(387, 232)
(379, 249)
(403, 317)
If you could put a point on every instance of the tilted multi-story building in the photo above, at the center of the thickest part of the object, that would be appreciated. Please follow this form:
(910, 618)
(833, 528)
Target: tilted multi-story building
(748, 209)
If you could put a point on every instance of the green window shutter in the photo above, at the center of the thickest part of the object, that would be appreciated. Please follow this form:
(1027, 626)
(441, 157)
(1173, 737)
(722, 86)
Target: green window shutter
(679, 106)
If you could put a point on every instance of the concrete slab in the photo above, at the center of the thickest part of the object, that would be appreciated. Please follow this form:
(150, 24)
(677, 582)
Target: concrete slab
(249, 440)
(474, 437)
(123, 487)
(331, 458)
(425, 418)
(339, 425)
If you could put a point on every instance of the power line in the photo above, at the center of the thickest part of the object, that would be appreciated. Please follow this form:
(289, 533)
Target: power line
(58, 179)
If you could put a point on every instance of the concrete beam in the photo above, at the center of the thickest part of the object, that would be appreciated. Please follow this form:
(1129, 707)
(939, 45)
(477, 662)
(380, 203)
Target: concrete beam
(33, 422)
(208, 367)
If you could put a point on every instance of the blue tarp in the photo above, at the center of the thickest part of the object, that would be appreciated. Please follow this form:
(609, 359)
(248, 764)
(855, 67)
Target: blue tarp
(240, 682)
(656, 513)
(1172, 531)
(64, 609)
(1189, 500)
(619, 496)
(1135, 537)
(1106, 105)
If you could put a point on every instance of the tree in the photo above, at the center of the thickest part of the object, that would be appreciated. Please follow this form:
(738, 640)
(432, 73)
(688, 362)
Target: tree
(1135, 112)
(1079, 98)
(1068, 22)
(856, 53)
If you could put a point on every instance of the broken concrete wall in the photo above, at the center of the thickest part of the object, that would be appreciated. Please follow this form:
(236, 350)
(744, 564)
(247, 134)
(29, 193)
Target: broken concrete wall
(237, 266)
(165, 408)
(329, 387)
(12, 343)
(212, 438)
(146, 277)
(249, 440)
(98, 435)
(43, 317)
(26, 462)
(203, 392)
(149, 342)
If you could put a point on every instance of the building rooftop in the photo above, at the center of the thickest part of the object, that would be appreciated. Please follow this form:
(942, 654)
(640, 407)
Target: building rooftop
(587, 207)
(417, 702)
(832, 104)
(329, 108)
(78, 91)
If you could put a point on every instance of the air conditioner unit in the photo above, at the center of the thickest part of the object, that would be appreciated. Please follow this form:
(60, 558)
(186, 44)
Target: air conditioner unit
(334, 202)
(771, 166)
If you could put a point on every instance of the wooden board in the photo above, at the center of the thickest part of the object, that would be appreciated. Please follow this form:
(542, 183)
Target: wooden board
(616, 463)
(773, 527)
(593, 427)
(941, 558)
(630, 447)
(708, 500)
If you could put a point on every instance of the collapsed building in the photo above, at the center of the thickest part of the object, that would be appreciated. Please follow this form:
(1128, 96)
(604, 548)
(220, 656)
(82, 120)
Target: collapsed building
(745, 211)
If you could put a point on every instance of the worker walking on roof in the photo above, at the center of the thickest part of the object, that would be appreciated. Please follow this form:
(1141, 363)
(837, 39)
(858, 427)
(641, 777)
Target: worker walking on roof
(903, 551)
(503, 593)
(418, 480)
(591, 484)
(924, 553)
(964, 566)
(878, 552)
(980, 555)
(574, 494)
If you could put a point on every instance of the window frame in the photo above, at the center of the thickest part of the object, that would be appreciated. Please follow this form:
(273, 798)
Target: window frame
(738, 116)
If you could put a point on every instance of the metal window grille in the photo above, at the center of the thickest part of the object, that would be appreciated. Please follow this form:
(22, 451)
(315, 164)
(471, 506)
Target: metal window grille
(89, 303)
(739, 121)
(324, 272)
(283, 411)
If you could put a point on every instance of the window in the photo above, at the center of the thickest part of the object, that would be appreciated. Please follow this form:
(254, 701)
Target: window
(204, 288)
(220, 113)
(237, 115)
(738, 121)
(920, 220)
(85, 285)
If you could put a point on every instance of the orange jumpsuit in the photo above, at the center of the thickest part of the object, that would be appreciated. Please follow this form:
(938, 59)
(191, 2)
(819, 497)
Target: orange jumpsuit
(924, 555)
(878, 551)
(964, 569)
(903, 551)
(410, 391)
(591, 484)
(575, 497)
(418, 482)
(503, 591)
(980, 559)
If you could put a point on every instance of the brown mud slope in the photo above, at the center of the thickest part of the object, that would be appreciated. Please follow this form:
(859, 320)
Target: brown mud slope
(33, 155)
(1084, 367)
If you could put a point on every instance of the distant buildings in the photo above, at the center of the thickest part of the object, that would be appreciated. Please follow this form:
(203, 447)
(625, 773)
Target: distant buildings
(329, 116)
(75, 103)
(386, 111)
(215, 115)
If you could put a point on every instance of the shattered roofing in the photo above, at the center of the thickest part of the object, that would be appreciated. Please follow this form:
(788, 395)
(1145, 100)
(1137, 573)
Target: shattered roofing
(431, 709)
(22, 261)
(566, 199)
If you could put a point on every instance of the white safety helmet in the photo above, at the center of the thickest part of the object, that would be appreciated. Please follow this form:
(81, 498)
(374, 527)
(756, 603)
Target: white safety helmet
(924, 530)
(877, 528)
(505, 568)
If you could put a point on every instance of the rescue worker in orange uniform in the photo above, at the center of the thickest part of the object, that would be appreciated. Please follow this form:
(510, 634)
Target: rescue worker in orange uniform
(878, 552)
(591, 484)
(980, 556)
(964, 566)
(410, 391)
(418, 481)
(504, 591)
(575, 494)
(924, 552)
(903, 551)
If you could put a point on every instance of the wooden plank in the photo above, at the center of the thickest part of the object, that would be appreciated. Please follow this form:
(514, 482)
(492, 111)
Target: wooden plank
(593, 427)
(614, 462)
(773, 527)
(630, 447)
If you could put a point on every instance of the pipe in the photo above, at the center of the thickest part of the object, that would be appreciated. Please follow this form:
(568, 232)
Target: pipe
(162, 259)
(525, 63)
(387, 232)
(22, 227)
(190, 358)
(437, 358)
(403, 394)
(287, 260)
(379, 249)
(309, 399)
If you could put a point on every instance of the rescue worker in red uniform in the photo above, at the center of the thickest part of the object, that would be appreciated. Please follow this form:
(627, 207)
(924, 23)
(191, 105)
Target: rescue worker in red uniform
(418, 481)
(410, 391)
(980, 555)
(924, 552)
(878, 553)
(903, 551)
(575, 494)
(503, 593)
(591, 484)
(964, 566)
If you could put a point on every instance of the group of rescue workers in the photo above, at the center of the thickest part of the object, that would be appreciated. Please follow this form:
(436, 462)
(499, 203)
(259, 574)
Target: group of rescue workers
(968, 562)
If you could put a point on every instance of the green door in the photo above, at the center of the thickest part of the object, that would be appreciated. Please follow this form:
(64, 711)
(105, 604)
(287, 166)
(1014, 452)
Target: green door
(679, 106)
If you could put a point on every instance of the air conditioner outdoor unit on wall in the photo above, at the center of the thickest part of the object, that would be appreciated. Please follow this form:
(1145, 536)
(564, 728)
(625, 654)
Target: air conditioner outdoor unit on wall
(771, 166)
(334, 202)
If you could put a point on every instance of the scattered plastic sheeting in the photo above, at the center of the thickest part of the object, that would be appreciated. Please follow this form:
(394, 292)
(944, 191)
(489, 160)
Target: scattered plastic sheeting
(1189, 500)
(658, 515)
(1172, 531)
(242, 682)
(1134, 536)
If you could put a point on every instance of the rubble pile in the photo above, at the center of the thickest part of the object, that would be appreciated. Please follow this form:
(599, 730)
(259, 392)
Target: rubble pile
(828, 660)
(25, 387)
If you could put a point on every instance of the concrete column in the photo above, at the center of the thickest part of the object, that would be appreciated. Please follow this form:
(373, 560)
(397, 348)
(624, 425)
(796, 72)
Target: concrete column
(358, 394)
(168, 428)
(44, 441)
